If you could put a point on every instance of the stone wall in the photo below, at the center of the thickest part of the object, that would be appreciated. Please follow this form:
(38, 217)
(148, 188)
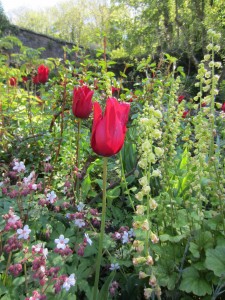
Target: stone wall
(53, 46)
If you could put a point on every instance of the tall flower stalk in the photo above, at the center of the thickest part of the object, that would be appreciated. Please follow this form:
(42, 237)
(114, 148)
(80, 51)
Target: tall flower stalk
(108, 135)
(102, 230)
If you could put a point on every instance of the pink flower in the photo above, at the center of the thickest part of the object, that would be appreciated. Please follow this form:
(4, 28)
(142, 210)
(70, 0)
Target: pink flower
(16, 269)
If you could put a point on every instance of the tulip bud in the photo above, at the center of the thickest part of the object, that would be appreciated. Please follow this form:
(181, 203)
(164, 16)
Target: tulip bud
(82, 102)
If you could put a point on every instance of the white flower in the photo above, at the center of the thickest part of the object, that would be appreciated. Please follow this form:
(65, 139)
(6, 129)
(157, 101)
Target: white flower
(61, 242)
(34, 186)
(39, 249)
(69, 281)
(131, 232)
(45, 252)
(19, 166)
(47, 158)
(1, 183)
(42, 269)
(117, 235)
(51, 197)
(23, 233)
(28, 179)
(13, 219)
(79, 223)
(114, 267)
(125, 237)
(80, 206)
(64, 190)
(89, 241)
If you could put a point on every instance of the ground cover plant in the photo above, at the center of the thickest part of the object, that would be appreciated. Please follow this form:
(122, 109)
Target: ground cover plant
(109, 192)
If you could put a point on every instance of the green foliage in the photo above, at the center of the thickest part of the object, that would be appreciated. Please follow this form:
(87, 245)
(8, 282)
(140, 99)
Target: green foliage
(195, 283)
(165, 197)
(4, 22)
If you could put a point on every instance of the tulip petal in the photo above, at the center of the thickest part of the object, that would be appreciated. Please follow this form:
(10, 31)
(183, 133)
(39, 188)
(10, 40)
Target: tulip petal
(109, 130)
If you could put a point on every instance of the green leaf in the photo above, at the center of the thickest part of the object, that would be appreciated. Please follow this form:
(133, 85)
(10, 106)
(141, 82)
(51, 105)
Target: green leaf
(215, 260)
(103, 295)
(172, 239)
(193, 282)
(194, 250)
(86, 185)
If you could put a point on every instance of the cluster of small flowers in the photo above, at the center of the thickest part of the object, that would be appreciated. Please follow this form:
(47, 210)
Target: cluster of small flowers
(50, 201)
(15, 269)
(48, 168)
(36, 296)
(204, 122)
(61, 246)
(67, 188)
(42, 273)
(64, 282)
(20, 187)
(83, 245)
(113, 288)
(12, 221)
(154, 287)
(208, 80)
(124, 235)
(13, 244)
(82, 218)
(151, 153)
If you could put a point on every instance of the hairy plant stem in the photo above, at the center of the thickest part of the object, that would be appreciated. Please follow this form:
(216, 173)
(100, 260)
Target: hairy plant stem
(26, 282)
(7, 267)
(220, 198)
(212, 110)
(123, 179)
(148, 215)
(61, 124)
(29, 114)
(102, 230)
(61, 129)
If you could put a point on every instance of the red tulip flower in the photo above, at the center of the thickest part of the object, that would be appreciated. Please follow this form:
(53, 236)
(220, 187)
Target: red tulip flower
(185, 113)
(12, 81)
(42, 75)
(180, 98)
(43, 72)
(223, 107)
(82, 102)
(109, 130)
(25, 79)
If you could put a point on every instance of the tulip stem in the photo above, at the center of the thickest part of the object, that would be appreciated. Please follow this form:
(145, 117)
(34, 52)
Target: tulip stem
(102, 231)
(78, 157)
